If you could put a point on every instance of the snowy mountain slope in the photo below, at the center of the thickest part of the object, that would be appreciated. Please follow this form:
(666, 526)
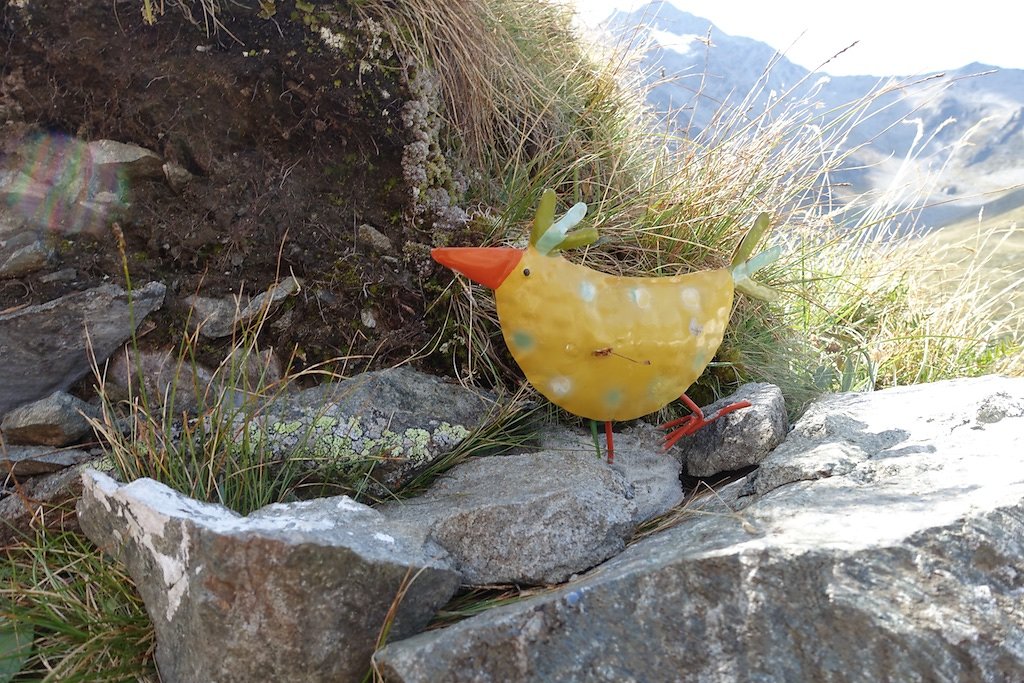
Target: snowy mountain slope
(961, 131)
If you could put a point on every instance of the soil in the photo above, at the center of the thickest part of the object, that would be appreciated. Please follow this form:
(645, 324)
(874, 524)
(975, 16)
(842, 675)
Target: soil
(292, 148)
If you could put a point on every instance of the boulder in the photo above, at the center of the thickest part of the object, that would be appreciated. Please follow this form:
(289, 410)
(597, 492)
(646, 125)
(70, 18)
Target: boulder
(169, 383)
(650, 474)
(46, 500)
(738, 439)
(395, 422)
(293, 592)
(50, 346)
(60, 419)
(67, 186)
(538, 518)
(881, 541)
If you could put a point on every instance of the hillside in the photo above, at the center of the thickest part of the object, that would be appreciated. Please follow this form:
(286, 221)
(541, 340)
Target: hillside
(959, 134)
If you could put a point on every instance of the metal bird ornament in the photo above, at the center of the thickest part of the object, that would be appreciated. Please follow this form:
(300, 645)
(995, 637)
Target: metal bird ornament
(606, 347)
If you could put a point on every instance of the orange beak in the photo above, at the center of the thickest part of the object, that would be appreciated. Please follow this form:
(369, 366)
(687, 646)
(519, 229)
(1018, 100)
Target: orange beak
(488, 266)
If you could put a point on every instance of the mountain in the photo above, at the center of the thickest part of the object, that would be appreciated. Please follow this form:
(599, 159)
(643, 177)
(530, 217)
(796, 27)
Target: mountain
(961, 132)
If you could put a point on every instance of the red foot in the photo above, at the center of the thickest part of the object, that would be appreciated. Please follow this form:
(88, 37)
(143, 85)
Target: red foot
(684, 426)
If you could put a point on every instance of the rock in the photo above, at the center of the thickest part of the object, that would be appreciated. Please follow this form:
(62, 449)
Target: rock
(22, 253)
(533, 518)
(293, 592)
(248, 370)
(902, 563)
(217, 318)
(57, 420)
(176, 176)
(22, 249)
(368, 318)
(158, 376)
(67, 186)
(214, 318)
(62, 275)
(49, 347)
(30, 461)
(651, 474)
(133, 162)
(395, 422)
(738, 439)
(161, 377)
(374, 239)
(46, 500)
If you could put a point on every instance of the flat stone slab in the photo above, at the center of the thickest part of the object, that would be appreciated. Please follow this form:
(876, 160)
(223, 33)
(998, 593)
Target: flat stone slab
(57, 420)
(31, 461)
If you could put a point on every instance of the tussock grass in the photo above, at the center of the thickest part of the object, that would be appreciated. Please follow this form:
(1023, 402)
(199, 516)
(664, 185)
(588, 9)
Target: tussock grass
(857, 312)
(79, 614)
(191, 431)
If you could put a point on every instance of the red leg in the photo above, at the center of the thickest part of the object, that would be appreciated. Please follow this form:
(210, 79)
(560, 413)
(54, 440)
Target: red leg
(684, 426)
(608, 438)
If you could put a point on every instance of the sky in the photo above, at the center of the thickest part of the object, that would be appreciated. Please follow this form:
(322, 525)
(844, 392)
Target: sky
(895, 37)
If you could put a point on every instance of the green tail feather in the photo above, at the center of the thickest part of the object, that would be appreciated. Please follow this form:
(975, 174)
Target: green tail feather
(544, 217)
(548, 236)
(744, 266)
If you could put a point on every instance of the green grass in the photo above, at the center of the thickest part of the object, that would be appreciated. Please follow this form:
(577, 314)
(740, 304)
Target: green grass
(80, 614)
(986, 255)
(859, 310)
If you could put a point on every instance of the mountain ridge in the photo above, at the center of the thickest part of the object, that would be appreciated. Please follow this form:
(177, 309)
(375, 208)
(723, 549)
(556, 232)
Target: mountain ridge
(961, 128)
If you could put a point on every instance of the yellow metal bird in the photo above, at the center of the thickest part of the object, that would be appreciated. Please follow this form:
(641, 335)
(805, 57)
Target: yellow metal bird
(601, 346)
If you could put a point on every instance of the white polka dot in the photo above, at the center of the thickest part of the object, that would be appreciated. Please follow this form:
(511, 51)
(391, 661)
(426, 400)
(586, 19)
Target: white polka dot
(587, 291)
(696, 329)
(691, 298)
(640, 296)
(560, 386)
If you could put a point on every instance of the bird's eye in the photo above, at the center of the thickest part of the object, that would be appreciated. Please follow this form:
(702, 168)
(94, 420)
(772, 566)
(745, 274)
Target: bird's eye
(526, 272)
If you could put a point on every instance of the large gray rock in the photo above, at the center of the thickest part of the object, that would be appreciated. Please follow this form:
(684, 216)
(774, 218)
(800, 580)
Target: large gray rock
(59, 419)
(294, 592)
(49, 347)
(180, 385)
(891, 551)
(738, 439)
(538, 518)
(650, 474)
(395, 422)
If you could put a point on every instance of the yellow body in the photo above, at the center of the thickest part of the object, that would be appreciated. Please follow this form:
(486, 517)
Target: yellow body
(607, 347)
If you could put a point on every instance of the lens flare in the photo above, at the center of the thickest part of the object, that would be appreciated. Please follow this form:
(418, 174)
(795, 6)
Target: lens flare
(58, 186)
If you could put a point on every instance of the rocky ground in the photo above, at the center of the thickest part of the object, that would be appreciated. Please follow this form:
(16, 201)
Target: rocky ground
(278, 149)
(881, 540)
